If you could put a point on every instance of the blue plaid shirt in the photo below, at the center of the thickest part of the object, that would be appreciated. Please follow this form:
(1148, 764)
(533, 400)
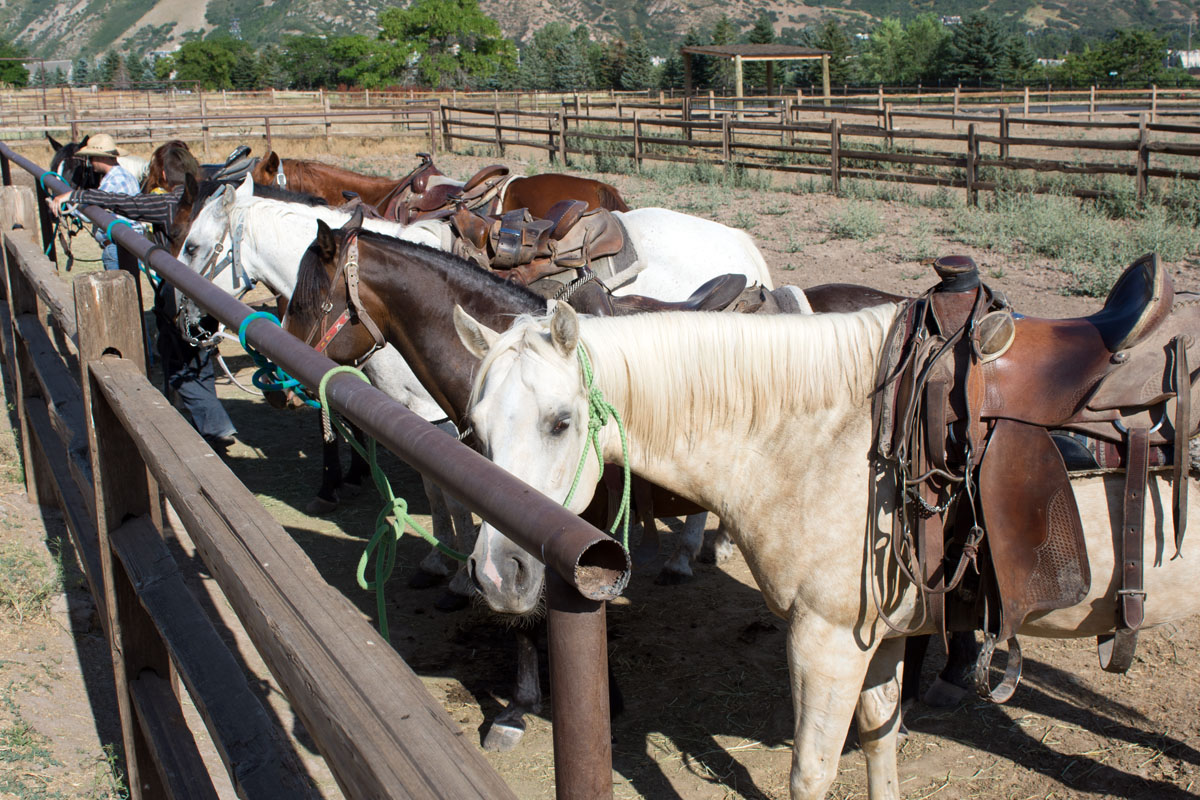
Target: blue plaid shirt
(118, 180)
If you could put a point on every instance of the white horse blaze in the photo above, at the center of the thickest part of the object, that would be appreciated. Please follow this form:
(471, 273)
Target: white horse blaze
(785, 399)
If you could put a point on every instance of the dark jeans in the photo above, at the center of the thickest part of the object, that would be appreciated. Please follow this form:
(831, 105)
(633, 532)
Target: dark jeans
(189, 371)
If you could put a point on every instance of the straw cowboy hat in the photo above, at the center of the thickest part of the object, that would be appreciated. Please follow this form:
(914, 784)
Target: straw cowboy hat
(100, 145)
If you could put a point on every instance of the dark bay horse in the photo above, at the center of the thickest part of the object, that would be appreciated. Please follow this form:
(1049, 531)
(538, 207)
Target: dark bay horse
(538, 193)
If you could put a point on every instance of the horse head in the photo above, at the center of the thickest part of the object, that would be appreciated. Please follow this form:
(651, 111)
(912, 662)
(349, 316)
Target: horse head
(74, 170)
(268, 169)
(530, 415)
(316, 311)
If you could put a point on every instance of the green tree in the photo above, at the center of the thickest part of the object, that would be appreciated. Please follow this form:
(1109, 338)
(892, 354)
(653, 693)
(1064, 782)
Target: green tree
(1016, 59)
(211, 62)
(720, 76)
(702, 66)
(570, 65)
(271, 72)
(926, 42)
(80, 73)
(107, 68)
(453, 41)
(59, 79)
(372, 63)
(638, 71)
(308, 63)
(832, 37)
(886, 57)
(12, 73)
(976, 50)
(763, 32)
(539, 58)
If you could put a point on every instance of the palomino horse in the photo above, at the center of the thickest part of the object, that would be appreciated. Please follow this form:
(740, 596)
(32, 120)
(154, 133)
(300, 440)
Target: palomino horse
(538, 193)
(767, 422)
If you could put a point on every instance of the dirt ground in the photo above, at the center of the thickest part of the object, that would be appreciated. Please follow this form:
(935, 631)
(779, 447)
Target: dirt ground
(701, 665)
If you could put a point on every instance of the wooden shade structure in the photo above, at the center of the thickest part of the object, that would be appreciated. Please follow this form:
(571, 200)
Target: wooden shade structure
(741, 53)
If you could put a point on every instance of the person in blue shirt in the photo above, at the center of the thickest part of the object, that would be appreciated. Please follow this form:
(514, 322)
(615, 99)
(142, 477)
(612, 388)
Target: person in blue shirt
(102, 151)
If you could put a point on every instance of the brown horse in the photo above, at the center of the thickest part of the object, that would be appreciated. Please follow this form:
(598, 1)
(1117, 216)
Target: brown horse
(538, 193)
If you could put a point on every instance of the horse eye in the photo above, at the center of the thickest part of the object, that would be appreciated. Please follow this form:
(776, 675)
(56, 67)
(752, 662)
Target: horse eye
(560, 426)
(190, 248)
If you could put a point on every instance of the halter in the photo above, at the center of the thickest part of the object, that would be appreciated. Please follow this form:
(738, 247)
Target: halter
(216, 264)
(355, 310)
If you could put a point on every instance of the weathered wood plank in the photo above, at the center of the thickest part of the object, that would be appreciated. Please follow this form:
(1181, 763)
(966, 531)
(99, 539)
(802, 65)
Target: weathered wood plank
(44, 278)
(58, 386)
(258, 759)
(372, 718)
(176, 757)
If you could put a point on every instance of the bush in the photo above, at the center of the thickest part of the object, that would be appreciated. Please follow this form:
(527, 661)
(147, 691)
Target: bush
(856, 221)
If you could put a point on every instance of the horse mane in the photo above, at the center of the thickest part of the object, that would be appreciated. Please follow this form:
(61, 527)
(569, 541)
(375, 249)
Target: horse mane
(711, 368)
(207, 189)
(313, 281)
(313, 171)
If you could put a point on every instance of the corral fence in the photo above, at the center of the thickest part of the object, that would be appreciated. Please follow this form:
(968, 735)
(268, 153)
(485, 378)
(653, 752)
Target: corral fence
(838, 141)
(101, 443)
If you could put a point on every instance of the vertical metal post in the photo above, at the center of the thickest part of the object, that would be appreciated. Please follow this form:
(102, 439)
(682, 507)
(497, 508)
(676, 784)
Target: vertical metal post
(577, 643)
(5, 171)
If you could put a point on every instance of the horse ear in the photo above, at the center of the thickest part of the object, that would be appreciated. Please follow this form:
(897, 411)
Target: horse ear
(228, 196)
(191, 189)
(53, 142)
(325, 242)
(475, 336)
(246, 188)
(270, 165)
(564, 329)
(83, 142)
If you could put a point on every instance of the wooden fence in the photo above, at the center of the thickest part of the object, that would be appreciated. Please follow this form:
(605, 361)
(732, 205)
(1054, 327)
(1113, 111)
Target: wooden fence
(852, 142)
(101, 443)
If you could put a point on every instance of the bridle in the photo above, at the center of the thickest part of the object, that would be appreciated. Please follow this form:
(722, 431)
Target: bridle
(354, 311)
(194, 333)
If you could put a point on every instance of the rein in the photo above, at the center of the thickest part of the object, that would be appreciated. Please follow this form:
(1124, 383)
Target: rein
(599, 412)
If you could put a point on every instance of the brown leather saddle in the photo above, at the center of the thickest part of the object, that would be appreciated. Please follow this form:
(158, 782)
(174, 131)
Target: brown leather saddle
(426, 193)
(970, 393)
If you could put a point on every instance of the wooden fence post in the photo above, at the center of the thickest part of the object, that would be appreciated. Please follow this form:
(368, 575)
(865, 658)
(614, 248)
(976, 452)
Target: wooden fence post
(203, 120)
(972, 155)
(17, 211)
(325, 109)
(1003, 133)
(109, 321)
(432, 121)
(267, 126)
(1153, 102)
(562, 135)
(954, 122)
(685, 114)
(1143, 160)
(1025, 113)
(889, 125)
(785, 119)
(637, 138)
(1091, 102)
(447, 142)
(835, 156)
(726, 139)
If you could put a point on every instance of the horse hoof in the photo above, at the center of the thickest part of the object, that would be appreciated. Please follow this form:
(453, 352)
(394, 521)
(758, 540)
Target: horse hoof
(501, 738)
(424, 580)
(944, 694)
(671, 578)
(319, 506)
(707, 556)
(451, 601)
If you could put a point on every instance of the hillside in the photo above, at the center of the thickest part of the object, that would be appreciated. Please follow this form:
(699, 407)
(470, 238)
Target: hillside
(65, 28)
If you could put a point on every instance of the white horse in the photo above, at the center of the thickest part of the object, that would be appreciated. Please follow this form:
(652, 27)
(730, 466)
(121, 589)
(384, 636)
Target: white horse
(767, 422)
(679, 251)
(264, 240)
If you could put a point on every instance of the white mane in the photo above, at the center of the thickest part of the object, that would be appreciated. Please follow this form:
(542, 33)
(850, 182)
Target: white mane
(657, 368)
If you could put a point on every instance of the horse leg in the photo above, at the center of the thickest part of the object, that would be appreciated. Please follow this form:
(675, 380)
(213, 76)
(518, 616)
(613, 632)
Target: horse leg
(679, 566)
(458, 593)
(643, 504)
(827, 668)
(354, 478)
(508, 728)
(914, 656)
(433, 569)
(953, 683)
(331, 478)
(722, 547)
(879, 718)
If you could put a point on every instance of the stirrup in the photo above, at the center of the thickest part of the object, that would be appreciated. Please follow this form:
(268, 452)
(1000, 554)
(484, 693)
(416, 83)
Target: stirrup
(1116, 650)
(1012, 671)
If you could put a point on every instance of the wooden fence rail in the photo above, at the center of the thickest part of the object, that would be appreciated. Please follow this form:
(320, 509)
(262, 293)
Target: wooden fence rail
(105, 446)
(796, 142)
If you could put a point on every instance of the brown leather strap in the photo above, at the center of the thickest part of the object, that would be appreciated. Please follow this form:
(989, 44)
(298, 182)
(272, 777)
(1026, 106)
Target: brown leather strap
(355, 302)
(1012, 671)
(1116, 649)
(1183, 428)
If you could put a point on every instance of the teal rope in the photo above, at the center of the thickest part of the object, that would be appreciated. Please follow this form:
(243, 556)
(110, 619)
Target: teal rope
(269, 377)
(391, 520)
(108, 230)
(42, 180)
(599, 412)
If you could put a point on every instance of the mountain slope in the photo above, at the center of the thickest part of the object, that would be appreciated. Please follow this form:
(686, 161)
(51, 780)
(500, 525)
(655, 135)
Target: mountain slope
(65, 28)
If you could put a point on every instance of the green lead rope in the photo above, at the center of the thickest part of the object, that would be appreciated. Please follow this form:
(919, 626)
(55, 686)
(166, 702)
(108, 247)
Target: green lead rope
(599, 412)
(392, 519)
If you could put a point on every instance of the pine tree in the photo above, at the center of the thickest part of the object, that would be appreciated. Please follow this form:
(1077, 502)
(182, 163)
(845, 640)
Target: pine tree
(976, 50)
(80, 73)
(59, 79)
(121, 76)
(763, 32)
(721, 75)
(1016, 59)
(570, 70)
(701, 65)
(833, 38)
(638, 71)
(107, 68)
